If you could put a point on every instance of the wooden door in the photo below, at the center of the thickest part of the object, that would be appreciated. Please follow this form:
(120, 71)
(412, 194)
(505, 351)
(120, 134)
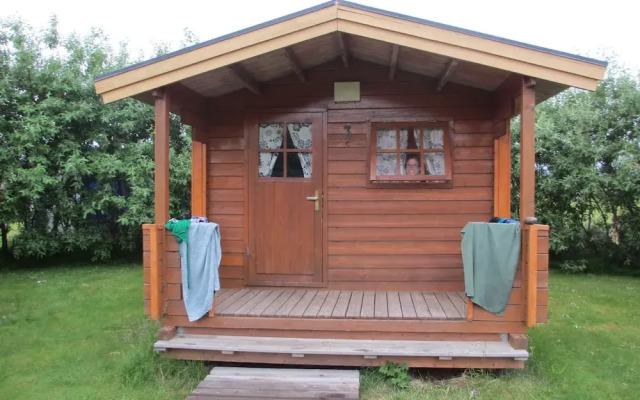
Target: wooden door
(285, 219)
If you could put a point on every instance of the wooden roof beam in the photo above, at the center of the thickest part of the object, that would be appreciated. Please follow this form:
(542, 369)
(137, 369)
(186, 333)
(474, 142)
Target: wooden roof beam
(447, 74)
(295, 65)
(185, 98)
(395, 50)
(343, 44)
(244, 78)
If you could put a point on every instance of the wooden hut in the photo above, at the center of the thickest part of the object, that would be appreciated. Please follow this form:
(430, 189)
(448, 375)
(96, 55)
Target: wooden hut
(332, 253)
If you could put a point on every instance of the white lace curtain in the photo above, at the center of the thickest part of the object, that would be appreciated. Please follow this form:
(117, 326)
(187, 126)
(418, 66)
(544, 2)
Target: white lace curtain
(387, 140)
(386, 162)
(434, 162)
(271, 136)
(301, 138)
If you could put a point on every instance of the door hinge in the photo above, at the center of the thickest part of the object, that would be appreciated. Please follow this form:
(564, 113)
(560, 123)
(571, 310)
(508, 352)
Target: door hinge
(248, 253)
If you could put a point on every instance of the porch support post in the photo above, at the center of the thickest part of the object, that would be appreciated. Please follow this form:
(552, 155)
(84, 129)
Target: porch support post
(198, 172)
(527, 150)
(161, 141)
(502, 172)
(527, 196)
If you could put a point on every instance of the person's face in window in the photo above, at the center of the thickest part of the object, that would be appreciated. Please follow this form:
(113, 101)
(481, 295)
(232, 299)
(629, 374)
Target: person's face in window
(412, 166)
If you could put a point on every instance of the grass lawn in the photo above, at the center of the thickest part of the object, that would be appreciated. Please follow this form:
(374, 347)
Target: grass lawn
(80, 333)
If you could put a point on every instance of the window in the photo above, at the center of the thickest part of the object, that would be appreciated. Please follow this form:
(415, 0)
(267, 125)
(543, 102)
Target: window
(280, 158)
(410, 153)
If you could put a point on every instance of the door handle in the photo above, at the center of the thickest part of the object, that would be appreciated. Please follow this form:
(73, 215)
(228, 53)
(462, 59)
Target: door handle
(315, 198)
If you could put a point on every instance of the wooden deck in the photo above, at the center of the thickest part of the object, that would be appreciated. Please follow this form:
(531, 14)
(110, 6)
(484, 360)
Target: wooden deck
(311, 303)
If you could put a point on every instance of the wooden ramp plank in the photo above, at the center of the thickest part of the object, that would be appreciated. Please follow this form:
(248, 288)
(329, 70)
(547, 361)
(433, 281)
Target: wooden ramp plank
(368, 305)
(278, 383)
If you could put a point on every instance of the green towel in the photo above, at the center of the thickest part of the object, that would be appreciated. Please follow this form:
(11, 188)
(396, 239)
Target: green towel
(490, 254)
(180, 230)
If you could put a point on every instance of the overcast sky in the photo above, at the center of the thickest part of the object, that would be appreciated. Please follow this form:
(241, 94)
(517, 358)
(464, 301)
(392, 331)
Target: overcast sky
(580, 27)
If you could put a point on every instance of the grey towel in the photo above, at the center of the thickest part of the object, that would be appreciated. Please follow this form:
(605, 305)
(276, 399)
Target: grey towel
(490, 254)
(199, 284)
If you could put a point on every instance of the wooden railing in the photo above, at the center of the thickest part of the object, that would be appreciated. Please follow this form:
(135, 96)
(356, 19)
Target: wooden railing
(536, 248)
(533, 276)
(153, 255)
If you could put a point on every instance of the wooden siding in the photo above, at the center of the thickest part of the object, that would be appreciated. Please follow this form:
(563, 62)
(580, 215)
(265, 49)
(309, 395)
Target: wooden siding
(377, 239)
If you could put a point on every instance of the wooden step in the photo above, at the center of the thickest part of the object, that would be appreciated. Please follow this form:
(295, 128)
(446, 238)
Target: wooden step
(278, 383)
(299, 347)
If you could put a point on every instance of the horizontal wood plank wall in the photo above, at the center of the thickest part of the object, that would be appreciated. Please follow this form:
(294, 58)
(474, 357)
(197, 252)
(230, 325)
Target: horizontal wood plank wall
(226, 185)
(378, 239)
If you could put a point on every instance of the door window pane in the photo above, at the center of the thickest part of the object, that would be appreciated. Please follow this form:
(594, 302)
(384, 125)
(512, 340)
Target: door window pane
(271, 136)
(300, 135)
(299, 165)
(270, 165)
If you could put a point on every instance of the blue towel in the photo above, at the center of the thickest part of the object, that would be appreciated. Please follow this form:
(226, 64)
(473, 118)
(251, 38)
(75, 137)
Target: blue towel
(202, 279)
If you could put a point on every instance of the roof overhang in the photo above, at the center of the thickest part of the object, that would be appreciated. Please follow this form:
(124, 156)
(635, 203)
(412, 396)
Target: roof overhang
(556, 69)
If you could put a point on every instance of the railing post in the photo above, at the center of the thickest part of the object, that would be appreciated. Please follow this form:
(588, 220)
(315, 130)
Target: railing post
(156, 249)
(531, 234)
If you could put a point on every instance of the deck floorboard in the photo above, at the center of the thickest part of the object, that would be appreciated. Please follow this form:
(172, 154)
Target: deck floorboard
(340, 304)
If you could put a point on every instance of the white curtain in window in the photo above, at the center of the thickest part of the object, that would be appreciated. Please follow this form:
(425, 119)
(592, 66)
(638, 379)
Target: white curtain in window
(433, 139)
(386, 162)
(301, 137)
(434, 163)
(271, 136)
(404, 138)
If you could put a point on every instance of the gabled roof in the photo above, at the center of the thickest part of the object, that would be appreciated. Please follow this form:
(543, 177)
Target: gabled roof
(321, 33)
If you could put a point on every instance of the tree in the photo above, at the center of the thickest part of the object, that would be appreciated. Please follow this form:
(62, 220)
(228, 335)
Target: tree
(76, 174)
(587, 169)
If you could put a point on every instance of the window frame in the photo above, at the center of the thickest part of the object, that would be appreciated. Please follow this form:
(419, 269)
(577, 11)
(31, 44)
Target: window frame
(406, 181)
